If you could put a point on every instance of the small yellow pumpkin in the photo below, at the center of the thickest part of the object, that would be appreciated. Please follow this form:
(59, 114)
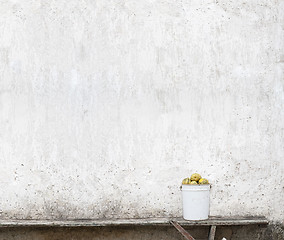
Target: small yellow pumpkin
(186, 181)
(203, 181)
(195, 177)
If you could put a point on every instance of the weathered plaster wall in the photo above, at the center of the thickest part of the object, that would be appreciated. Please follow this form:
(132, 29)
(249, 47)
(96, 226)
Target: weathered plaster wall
(106, 105)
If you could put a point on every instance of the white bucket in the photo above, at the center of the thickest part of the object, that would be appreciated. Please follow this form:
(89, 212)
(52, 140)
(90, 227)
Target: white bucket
(195, 199)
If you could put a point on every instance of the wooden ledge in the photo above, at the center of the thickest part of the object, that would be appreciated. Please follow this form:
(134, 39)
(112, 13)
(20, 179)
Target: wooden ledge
(217, 221)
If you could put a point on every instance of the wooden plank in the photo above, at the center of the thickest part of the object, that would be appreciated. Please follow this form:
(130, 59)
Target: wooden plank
(212, 233)
(182, 230)
(130, 222)
(225, 221)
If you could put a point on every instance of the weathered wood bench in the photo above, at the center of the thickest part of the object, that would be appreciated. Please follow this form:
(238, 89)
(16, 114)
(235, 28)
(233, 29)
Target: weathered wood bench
(213, 222)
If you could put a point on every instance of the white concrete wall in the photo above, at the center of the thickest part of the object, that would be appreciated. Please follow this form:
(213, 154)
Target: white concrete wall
(106, 105)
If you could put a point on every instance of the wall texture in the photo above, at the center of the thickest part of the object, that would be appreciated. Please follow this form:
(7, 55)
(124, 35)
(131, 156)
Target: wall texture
(106, 105)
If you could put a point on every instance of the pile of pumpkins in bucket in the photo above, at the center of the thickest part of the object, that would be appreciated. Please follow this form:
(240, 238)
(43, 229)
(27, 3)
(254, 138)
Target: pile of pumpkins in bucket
(195, 178)
(195, 197)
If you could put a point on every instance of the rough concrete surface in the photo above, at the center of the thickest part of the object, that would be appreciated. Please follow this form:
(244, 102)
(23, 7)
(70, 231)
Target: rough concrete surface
(106, 105)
